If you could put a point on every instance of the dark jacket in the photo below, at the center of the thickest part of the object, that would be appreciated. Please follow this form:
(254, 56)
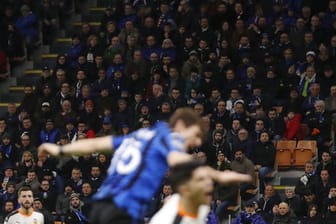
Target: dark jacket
(264, 154)
(288, 218)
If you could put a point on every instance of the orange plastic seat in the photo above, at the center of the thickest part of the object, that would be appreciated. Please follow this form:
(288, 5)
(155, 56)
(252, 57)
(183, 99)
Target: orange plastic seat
(305, 151)
(284, 153)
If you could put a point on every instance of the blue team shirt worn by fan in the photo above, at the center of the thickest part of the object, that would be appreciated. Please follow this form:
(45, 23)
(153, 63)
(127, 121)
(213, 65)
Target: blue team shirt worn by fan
(138, 166)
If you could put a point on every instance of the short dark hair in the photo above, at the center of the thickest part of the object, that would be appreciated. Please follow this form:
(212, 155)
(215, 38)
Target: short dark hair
(181, 173)
(24, 188)
(188, 116)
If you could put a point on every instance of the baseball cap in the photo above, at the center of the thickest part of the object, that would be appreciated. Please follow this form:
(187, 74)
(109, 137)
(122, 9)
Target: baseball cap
(310, 53)
(45, 104)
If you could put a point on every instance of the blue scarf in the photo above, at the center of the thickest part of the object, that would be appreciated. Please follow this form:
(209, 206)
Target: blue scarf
(81, 217)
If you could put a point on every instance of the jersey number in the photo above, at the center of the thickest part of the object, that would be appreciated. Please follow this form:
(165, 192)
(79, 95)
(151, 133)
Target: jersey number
(128, 156)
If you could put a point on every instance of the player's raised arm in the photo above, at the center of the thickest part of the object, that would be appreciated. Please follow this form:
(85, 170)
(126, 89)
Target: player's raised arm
(84, 146)
(225, 177)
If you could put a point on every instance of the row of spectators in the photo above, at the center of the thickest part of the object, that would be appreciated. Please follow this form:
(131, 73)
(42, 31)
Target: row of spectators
(234, 62)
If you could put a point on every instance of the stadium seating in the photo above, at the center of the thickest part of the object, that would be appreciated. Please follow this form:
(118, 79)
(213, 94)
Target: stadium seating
(284, 152)
(305, 150)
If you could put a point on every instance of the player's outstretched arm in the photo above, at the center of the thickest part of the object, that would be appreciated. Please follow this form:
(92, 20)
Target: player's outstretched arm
(175, 158)
(84, 146)
(226, 177)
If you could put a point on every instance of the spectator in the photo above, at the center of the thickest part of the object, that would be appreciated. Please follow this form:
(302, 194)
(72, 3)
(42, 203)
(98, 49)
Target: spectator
(307, 78)
(38, 206)
(284, 214)
(303, 183)
(293, 201)
(176, 98)
(31, 180)
(226, 195)
(8, 176)
(47, 196)
(28, 101)
(66, 115)
(326, 80)
(264, 158)
(244, 142)
(313, 216)
(90, 116)
(75, 50)
(313, 96)
(26, 163)
(9, 207)
(9, 193)
(44, 110)
(330, 105)
(62, 62)
(191, 65)
(249, 215)
(326, 200)
(242, 164)
(292, 122)
(86, 194)
(63, 200)
(12, 118)
(27, 24)
(326, 163)
(275, 125)
(77, 213)
(9, 152)
(220, 113)
(319, 121)
(49, 133)
(266, 203)
(95, 177)
(331, 215)
(76, 180)
(49, 19)
(232, 135)
(14, 45)
(218, 144)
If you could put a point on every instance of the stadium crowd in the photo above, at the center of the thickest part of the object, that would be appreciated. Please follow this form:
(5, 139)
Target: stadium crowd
(235, 62)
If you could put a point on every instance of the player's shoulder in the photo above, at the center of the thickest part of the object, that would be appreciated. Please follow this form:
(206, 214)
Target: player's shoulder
(11, 215)
(38, 213)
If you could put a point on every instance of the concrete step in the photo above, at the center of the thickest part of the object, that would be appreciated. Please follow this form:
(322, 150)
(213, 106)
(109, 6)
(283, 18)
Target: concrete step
(31, 79)
(76, 18)
(92, 17)
(61, 45)
(33, 72)
(105, 3)
(92, 24)
(46, 59)
(13, 96)
(97, 10)
(18, 70)
(4, 86)
(44, 49)
(290, 177)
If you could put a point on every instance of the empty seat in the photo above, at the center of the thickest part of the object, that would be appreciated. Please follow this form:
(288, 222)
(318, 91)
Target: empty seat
(308, 144)
(284, 153)
(305, 151)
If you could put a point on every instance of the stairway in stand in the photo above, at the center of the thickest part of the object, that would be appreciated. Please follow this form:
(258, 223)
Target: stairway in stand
(28, 72)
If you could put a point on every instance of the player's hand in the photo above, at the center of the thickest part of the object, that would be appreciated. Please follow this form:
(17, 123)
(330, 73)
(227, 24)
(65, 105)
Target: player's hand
(49, 148)
(226, 177)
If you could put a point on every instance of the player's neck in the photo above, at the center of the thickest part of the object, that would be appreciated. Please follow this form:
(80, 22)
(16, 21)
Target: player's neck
(188, 208)
(25, 211)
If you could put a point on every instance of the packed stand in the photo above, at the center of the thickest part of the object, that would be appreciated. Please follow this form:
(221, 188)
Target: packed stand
(234, 62)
